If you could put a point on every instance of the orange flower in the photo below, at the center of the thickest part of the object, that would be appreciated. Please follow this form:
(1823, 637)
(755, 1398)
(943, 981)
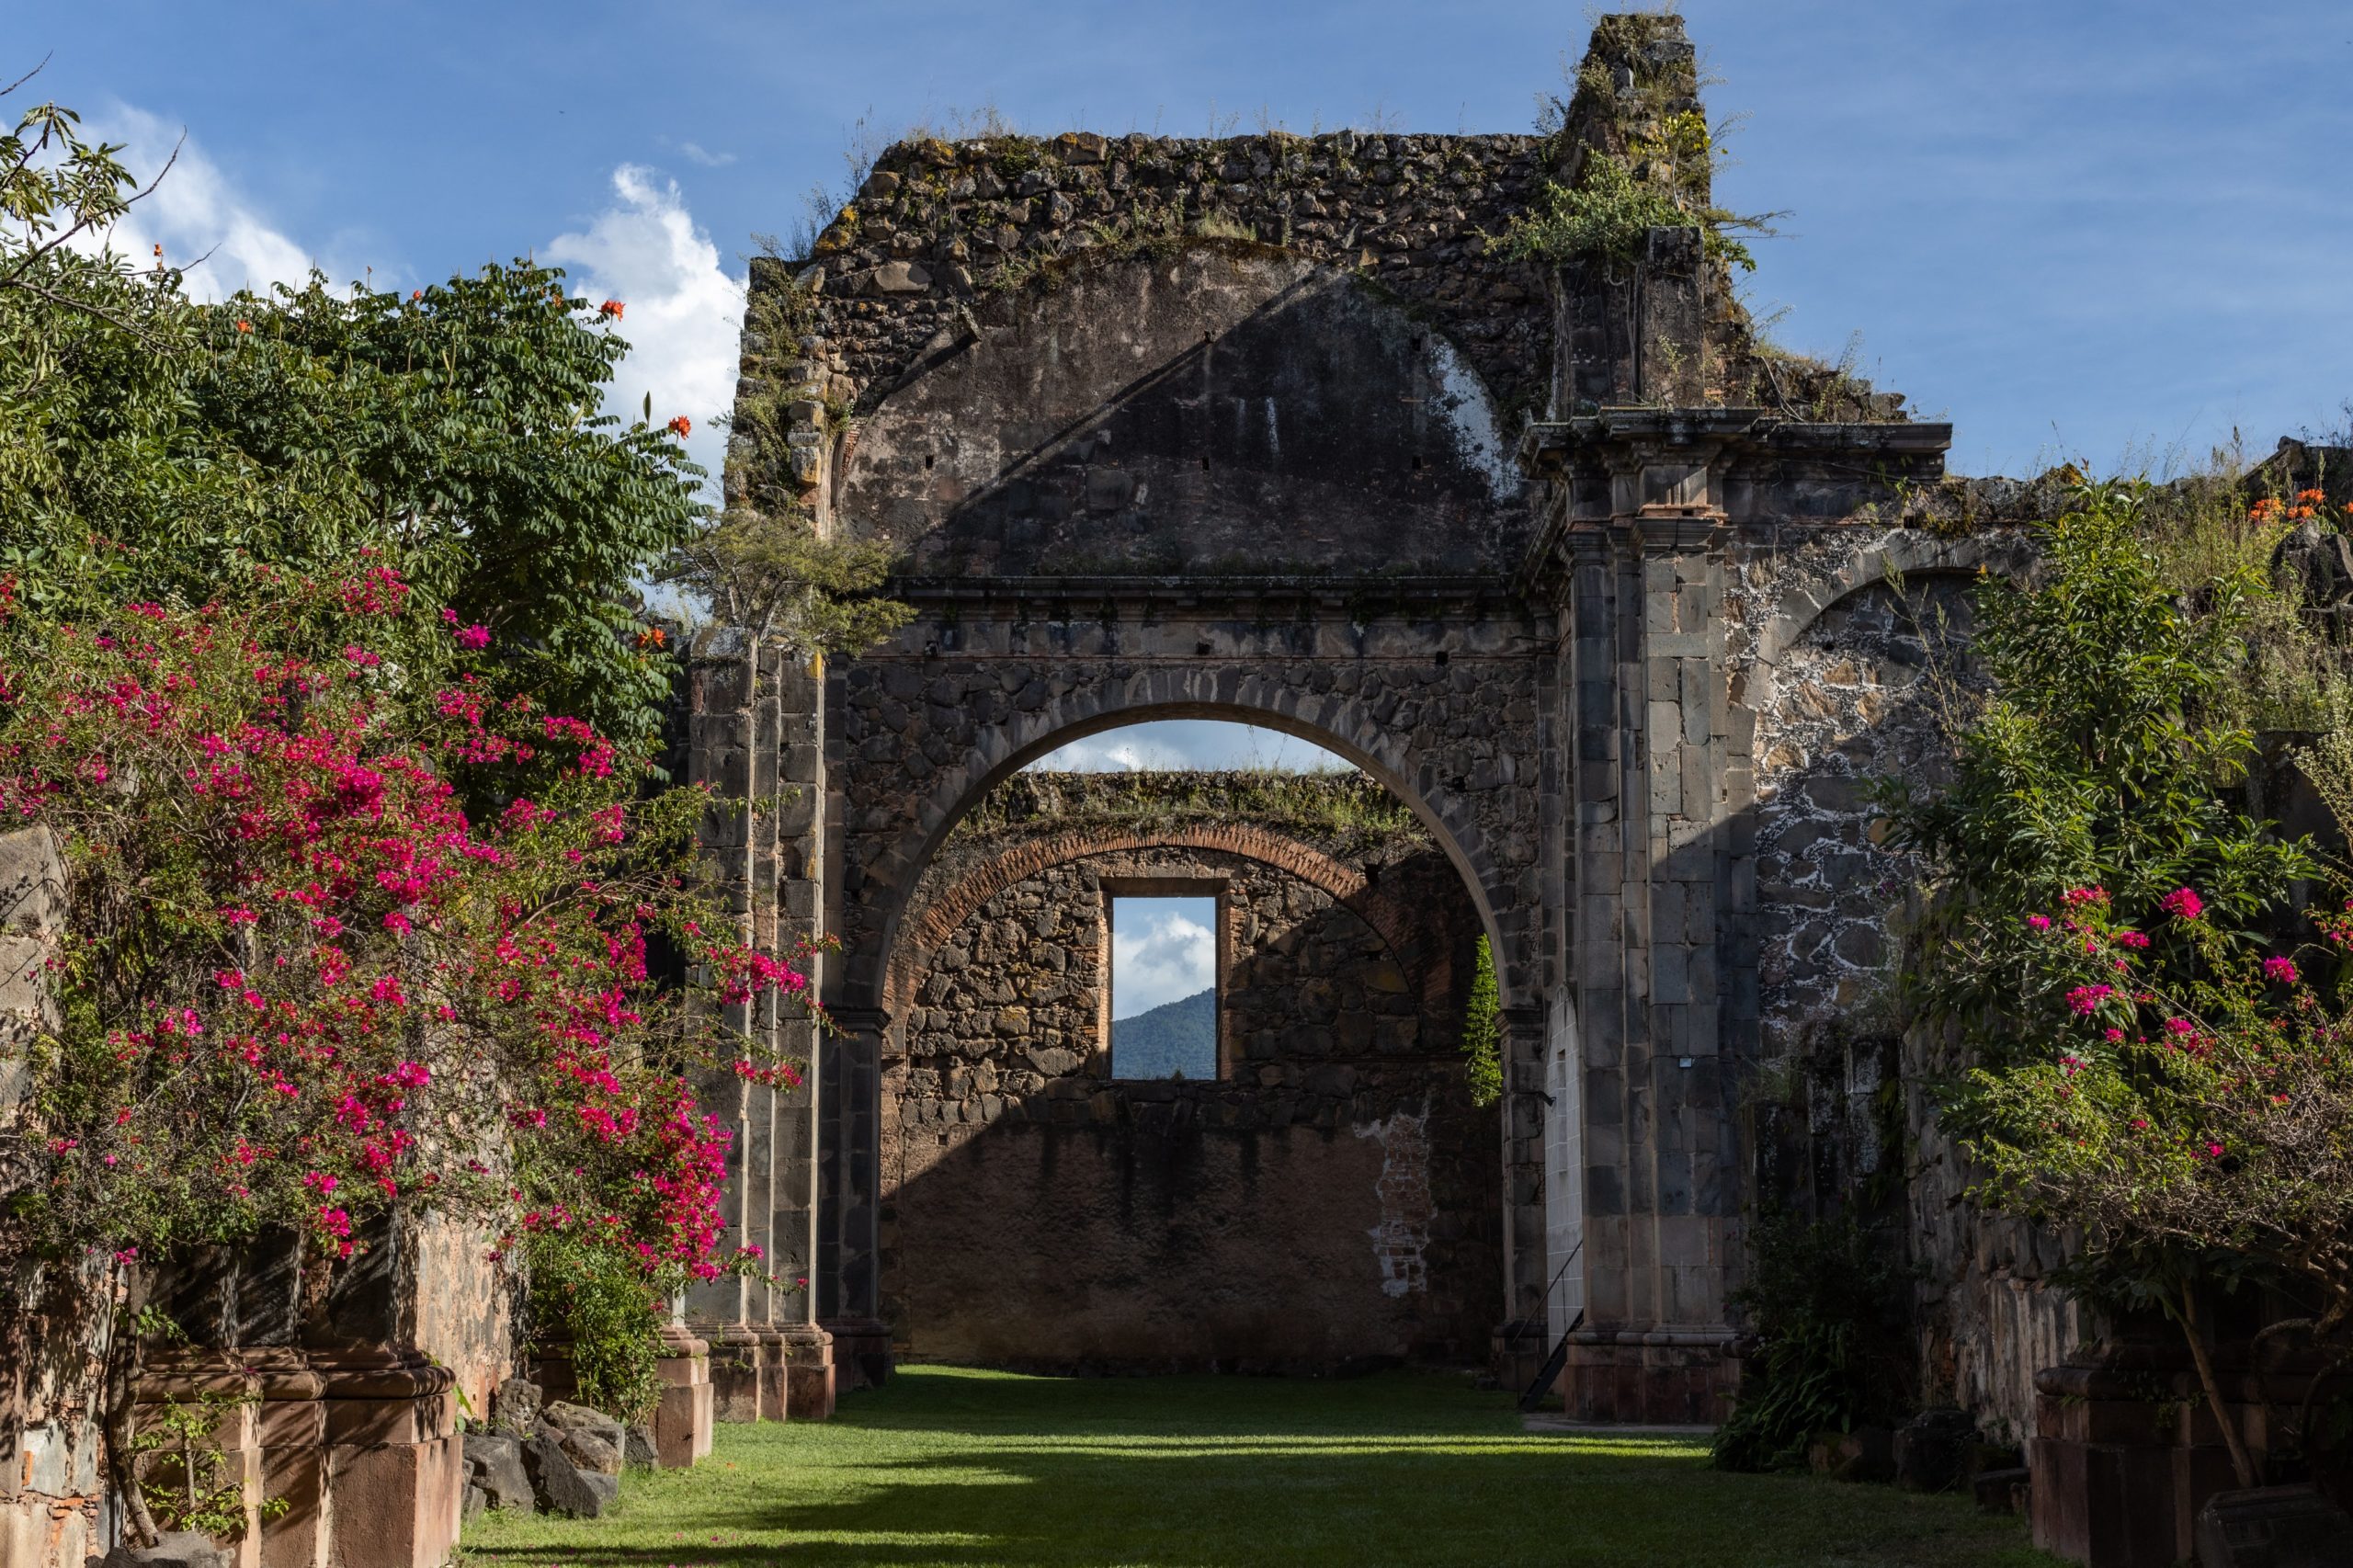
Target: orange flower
(416, 293)
(652, 637)
(681, 427)
(2263, 510)
(244, 327)
(610, 308)
(2313, 496)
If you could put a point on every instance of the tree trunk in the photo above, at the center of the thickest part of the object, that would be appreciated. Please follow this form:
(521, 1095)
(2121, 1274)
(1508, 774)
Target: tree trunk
(2241, 1460)
(122, 1394)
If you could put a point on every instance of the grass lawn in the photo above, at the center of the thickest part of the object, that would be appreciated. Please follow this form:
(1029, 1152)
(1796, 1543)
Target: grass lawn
(947, 1466)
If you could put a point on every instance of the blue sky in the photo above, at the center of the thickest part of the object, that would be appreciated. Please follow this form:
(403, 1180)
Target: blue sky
(2118, 232)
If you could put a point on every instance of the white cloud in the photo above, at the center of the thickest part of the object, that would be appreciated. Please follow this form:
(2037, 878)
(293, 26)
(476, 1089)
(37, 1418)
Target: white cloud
(196, 213)
(1161, 951)
(708, 160)
(684, 311)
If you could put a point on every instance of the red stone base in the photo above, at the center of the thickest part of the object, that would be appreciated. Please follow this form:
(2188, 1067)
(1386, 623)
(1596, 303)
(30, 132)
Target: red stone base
(741, 1376)
(362, 1444)
(1663, 1376)
(682, 1420)
(809, 1372)
(2125, 1452)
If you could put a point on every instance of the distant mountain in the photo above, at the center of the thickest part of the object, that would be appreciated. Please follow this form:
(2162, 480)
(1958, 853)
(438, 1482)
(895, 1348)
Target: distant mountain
(1175, 1039)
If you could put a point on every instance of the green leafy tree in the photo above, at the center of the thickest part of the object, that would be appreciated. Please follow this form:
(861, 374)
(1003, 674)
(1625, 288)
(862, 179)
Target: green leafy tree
(2093, 759)
(153, 448)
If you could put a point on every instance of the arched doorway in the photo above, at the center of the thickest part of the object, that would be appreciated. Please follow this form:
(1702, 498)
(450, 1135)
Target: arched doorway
(1434, 701)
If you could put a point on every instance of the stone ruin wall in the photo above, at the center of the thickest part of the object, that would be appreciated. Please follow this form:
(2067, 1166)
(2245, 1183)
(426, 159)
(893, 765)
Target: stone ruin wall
(1333, 1201)
(1850, 650)
(939, 225)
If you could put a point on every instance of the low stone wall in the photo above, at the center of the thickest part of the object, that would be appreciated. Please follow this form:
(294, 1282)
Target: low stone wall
(1332, 1199)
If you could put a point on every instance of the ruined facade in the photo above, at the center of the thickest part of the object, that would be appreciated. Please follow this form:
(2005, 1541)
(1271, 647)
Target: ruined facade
(1623, 608)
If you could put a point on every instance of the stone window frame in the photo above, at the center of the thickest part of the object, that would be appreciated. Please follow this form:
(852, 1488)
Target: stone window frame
(1174, 885)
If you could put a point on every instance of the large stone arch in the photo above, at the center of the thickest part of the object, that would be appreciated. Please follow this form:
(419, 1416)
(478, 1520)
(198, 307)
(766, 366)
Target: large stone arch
(1345, 726)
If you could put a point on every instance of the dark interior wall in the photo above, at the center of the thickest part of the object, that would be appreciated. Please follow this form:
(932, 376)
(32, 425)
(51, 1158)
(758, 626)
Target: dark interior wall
(1333, 1200)
(1217, 409)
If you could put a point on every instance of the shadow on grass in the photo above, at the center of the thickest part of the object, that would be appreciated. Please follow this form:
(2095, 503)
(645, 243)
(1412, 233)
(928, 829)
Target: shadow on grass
(950, 1467)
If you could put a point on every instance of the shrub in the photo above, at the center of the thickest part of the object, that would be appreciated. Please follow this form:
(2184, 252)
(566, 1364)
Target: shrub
(1829, 1307)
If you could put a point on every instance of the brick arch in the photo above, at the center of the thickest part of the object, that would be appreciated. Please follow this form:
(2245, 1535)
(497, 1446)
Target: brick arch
(1349, 887)
(894, 863)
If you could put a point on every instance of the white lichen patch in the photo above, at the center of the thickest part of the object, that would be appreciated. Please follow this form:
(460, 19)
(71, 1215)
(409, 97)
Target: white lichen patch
(1471, 416)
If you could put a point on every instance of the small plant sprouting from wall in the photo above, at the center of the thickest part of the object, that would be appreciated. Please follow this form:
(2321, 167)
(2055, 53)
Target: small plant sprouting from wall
(1608, 214)
(1483, 1031)
(184, 1476)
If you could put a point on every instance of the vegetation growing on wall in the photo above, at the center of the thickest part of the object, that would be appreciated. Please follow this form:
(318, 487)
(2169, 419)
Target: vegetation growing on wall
(1482, 1030)
(2155, 1035)
(1608, 215)
(1349, 808)
(759, 564)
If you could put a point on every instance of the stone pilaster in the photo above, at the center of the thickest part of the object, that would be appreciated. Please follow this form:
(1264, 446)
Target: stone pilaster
(1654, 786)
(755, 740)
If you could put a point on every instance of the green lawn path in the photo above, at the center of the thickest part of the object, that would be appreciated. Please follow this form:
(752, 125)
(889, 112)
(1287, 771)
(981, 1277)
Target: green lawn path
(951, 1466)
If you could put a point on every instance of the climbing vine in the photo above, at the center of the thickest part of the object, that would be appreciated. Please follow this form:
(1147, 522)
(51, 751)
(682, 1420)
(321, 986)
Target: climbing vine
(1483, 1031)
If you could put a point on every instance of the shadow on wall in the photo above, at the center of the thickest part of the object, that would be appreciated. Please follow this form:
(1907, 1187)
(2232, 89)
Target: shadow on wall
(1180, 414)
(1331, 1202)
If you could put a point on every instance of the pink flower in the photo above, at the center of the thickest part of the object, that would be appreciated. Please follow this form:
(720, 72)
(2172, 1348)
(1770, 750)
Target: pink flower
(2184, 903)
(2282, 970)
(2073, 897)
(2131, 939)
(2113, 1036)
(471, 636)
(2040, 922)
(2084, 1000)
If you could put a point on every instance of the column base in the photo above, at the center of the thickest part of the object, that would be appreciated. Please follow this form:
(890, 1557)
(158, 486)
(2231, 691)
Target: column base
(807, 1372)
(682, 1419)
(395, 1470)
(741, 1379)
(1658, 1377)
(861, 1352)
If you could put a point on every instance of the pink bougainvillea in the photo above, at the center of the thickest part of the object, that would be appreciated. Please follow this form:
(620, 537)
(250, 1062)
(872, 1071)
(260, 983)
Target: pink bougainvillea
(306, 980)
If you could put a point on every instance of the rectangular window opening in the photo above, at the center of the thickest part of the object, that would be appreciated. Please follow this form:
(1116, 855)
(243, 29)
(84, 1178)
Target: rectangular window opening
(1164, 1001)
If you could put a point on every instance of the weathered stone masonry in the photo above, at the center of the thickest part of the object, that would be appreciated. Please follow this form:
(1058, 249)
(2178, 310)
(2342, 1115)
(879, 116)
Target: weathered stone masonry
(1621, 605)
(1332, 1199)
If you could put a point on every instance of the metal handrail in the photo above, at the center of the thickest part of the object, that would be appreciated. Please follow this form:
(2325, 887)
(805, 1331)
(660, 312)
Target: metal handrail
(1519, 1328)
